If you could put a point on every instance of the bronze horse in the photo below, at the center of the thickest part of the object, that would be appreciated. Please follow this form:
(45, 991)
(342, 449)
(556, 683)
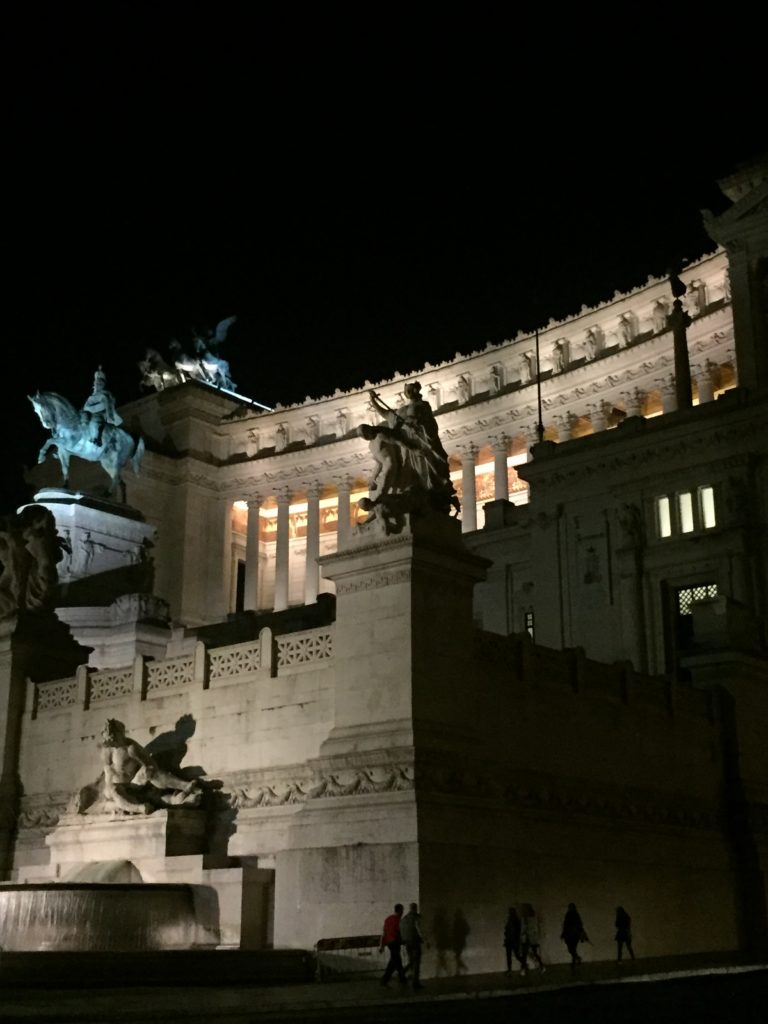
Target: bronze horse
(69, 436)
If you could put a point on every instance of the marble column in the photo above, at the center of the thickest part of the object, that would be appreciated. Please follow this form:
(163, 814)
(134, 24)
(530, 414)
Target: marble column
(633, 402)
(312, 570)
(469, 493)
(668, 394)
(252, 541)
(597, 415)
(213, 599)
(679, 321)
(344, 489)
(500, 479)
(563, 424)
(704, 382)
(282, 550)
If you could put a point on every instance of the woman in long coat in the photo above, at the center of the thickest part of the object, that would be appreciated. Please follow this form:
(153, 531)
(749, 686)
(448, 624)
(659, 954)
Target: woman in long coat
(573, 933)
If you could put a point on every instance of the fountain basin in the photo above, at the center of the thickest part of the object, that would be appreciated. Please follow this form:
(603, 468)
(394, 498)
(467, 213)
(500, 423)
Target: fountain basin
(115, 917)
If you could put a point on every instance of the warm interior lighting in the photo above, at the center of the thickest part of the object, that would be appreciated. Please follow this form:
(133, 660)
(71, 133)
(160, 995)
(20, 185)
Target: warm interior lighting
(707, 505)
(685, 511)
(663, 517)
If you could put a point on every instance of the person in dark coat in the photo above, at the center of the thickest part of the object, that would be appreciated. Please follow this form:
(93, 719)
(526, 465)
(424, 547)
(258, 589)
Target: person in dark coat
(623, 932)
(512, 930)
(573, 933)
(413, 940)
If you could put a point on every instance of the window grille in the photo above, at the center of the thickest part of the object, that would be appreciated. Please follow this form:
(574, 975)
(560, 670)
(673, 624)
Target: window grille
(686, 596)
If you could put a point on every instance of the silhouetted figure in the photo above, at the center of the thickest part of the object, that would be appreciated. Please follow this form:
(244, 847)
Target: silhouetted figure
(413, 939)
(441, 935)
(573, 933)
(623, 932)
(390, 937)
(512, 929)
(529, 937)
(459, 933)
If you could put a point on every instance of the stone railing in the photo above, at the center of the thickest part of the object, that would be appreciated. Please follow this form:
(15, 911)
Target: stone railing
(517, 659)
(61, 693)
(235, 661)
(171, 673)
(221, 666)
(111, 684)
(303, 648)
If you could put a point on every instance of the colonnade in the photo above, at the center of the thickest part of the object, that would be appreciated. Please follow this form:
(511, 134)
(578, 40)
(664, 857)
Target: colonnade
(464, 462)
(281, 500)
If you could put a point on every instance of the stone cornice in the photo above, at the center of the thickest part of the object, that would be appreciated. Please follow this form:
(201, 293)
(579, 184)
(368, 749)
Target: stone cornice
(274, 471)
(709, 264)
(697, 434)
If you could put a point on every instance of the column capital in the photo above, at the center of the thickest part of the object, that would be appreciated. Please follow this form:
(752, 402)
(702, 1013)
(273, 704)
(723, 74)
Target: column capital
(469, 451)
(500, 443)
(344, 483)
(283, 495)
(633, 400)
(314, 488)
(254, 501)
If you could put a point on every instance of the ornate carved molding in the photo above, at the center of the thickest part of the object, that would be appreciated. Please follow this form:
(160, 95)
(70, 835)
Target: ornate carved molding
(373, 581)
(351, 781)
(43, 810)
(689, 447)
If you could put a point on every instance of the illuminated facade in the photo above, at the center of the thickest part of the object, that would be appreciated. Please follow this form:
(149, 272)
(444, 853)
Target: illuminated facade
(214, 463)
(419, 746)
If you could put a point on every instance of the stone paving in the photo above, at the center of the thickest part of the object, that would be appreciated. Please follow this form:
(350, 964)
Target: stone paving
(205, 999)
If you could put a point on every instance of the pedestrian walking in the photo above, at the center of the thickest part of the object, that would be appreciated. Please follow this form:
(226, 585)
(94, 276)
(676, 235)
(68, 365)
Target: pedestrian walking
(623, 933)
(573, 933)
(413, 940)
(512, 928)
(390, 938)
(529, 937)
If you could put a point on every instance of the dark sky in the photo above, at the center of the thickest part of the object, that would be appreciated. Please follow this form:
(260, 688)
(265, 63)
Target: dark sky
(365, 196)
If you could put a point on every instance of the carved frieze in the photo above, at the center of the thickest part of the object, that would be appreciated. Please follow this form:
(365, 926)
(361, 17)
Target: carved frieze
(352, 781)
(373, 581)
(43, 810)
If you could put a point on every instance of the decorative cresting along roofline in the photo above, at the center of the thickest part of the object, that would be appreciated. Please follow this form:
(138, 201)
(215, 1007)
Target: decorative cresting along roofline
(691, 269)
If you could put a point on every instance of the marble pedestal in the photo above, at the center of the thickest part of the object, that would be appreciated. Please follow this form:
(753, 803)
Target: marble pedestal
(84, 839)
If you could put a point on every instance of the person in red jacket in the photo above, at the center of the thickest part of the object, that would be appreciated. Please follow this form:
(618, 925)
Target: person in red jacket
(390, 937)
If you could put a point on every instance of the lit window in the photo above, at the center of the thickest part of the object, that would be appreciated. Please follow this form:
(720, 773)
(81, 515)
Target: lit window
(529, 624)
(707, 506)
(685, 511)
(663, 517)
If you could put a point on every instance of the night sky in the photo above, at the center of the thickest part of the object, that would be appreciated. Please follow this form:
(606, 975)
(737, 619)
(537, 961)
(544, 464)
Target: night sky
(366, 197)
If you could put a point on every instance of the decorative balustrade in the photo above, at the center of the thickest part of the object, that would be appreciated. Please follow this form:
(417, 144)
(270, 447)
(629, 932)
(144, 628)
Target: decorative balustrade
(233, 662)
(62, 693)
(219, 666)
(110, 684)
(303, 648)
(171, 673)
